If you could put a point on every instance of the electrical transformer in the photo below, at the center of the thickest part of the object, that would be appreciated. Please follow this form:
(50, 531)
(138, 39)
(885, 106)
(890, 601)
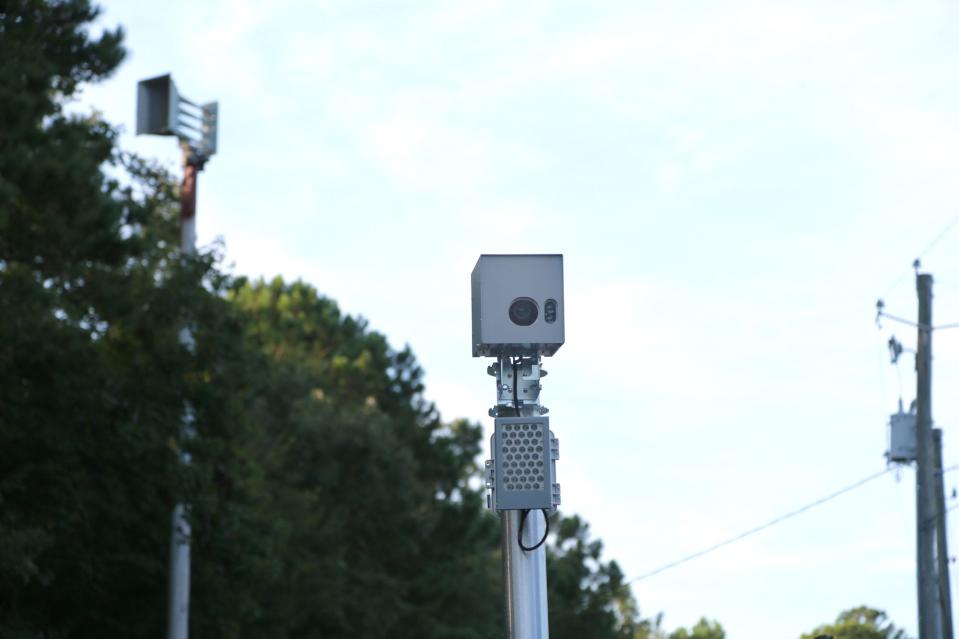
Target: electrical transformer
(902, 437)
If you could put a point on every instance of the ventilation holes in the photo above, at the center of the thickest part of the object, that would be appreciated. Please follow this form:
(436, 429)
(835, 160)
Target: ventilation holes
(521, 448)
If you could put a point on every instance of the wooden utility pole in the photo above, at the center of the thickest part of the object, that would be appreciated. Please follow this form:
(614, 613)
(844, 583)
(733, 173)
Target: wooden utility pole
(942, 550)
(930, 616)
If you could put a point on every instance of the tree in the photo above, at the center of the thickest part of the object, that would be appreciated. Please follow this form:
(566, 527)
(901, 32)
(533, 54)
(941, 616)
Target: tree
(859, 623)
(378, 529)
(92, 292)
(588, 598)
(62, 393)
(704, 629)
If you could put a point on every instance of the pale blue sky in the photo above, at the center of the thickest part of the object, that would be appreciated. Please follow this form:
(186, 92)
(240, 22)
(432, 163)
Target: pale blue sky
(732, 184)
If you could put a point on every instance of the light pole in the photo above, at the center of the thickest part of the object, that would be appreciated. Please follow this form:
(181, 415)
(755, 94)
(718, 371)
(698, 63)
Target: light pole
(161, 110)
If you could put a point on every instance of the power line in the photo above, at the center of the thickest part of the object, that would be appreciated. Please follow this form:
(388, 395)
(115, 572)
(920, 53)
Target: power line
(939, 237)
(942, 513)
(922, 253)
(753, 531)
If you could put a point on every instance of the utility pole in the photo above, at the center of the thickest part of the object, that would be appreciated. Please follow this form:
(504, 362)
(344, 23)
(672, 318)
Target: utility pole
(942, 551)
(161, 110)
(930, 616)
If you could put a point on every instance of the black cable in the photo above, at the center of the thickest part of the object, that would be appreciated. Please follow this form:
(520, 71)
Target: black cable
(515, 386)
(522, 518)
(522, 523)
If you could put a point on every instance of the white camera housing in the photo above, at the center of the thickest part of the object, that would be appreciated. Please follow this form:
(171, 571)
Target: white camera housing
(518, 306)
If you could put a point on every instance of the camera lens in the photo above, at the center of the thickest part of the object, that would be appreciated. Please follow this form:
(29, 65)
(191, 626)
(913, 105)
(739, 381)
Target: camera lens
(523, 311)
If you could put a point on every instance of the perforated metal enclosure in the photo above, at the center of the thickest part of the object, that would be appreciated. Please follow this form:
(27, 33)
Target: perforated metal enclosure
(522, 463)
(499, 283)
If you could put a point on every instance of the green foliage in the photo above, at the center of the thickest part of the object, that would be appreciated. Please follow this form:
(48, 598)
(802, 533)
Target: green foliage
(588, 598)
(704, 629)
(90, 385)
(859, 623)
(52, 194)
(375, 529)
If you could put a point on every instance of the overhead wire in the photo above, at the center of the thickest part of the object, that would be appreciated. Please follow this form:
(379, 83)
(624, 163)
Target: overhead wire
(842, 491)
(753, 531)
(938, 238)
(943, 513)
(778, 520)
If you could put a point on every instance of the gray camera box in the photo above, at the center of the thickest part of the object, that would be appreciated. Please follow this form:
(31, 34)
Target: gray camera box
(499, 281)
(522, 463)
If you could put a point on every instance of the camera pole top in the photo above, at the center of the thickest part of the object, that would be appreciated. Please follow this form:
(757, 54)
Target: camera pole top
(517, 305)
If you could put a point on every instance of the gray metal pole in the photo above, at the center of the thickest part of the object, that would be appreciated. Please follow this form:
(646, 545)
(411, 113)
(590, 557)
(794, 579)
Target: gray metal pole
(179, 611)
(524, 573)
(524, 577)
(942, 549)
(928, 587)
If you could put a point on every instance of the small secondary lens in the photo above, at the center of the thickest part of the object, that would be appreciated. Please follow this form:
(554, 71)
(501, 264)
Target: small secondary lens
(523, 311)
(549, 311)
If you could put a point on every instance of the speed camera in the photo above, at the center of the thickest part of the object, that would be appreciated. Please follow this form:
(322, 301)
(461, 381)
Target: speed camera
(518, 305)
